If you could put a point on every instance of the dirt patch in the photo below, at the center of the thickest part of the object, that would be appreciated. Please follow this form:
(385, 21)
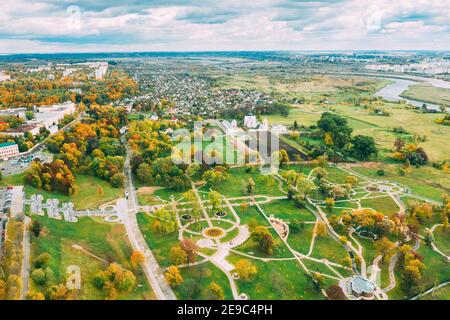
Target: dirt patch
(148, 190)
(368, 165)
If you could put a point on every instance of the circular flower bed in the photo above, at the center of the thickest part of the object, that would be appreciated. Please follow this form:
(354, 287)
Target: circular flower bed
(221, 214)
(186, 217)
(214, 233)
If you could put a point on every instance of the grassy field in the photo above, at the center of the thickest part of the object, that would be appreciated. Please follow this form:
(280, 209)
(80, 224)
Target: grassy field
(427, 93)
(439, 294)
(328, 248)
(364, 122)
(385, 205)
(442, 239)
(158, 243)
(282, 280)
(90, 192)
(437, 271)
(301, 240)
(249, 214)
(286, 210)
(104, 240)
(425, 181)
(234, 186)
(200, 277)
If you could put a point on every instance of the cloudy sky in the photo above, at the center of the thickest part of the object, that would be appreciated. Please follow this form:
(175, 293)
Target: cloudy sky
(206, 25)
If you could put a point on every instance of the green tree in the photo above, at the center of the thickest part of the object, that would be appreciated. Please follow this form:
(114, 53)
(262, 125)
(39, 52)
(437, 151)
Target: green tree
(144, 173)
(363, 147)
(215, 292)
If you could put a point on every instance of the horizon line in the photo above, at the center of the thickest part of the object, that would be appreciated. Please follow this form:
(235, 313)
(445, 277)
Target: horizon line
(222, 51)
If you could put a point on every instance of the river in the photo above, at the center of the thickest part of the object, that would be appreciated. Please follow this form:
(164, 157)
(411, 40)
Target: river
(401, 83)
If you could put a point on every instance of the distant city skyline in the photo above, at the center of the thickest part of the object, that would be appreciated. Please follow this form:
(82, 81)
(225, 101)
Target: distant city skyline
(57, 26)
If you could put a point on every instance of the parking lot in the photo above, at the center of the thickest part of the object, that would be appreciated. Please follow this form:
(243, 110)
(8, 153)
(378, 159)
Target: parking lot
(21, 163)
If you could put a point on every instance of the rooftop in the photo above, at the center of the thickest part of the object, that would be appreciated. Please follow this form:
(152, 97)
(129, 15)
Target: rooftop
(7, 144)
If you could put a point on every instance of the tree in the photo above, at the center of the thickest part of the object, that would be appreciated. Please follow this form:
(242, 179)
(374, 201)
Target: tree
(35, 228)
(281, 156)
(215, 199)
(347, 261)
(42, 260)
(39, 276)
(178, 255)
(296, 225)
(412, 271)
(117, 180)
(321, 229)
(385, 248)
(58, 292)
(35, 295)
(329, 202)
(137, 258)
(399, 143)
(363, 147)
(215, 292)
(259, 232)
(343, 239)
(352, 180)
(245, 269)
(173, 276)
(124, 281)
(250, 186)
(114, 280)
(318, 280)
(215, 177)
(320, 173)
(2, 289)
(167, 221)
(13, 285)
(264, 238)
(337, 127)
(144, 173)
(267, 244)
(191, 197)
(191, 249)
(335, 292)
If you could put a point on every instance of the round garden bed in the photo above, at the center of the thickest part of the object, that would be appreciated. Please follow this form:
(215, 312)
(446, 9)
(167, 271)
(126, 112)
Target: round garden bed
(214, 233)
(186, 217)
(220, 214)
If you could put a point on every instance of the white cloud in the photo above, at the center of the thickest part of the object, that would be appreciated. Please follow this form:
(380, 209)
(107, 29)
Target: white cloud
(28, 25)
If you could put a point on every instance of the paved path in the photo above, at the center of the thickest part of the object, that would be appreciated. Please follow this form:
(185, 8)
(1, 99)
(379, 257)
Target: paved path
(25, 272)
(430, 290)
(392, 281)
(128, 210)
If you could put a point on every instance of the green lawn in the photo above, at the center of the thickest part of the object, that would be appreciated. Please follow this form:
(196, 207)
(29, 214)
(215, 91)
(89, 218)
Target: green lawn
(286, 210)
(385, 205)
(198, 278)
(301, 241)
(90, 193)
(439, 294)
(442, 239)
(425, 181)
(251, 247)
(437, 271)
(427, 93)
(160, 244)
(105, 240)
(235, 184)
(327, 248)
(277, 280)
(251, 212)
